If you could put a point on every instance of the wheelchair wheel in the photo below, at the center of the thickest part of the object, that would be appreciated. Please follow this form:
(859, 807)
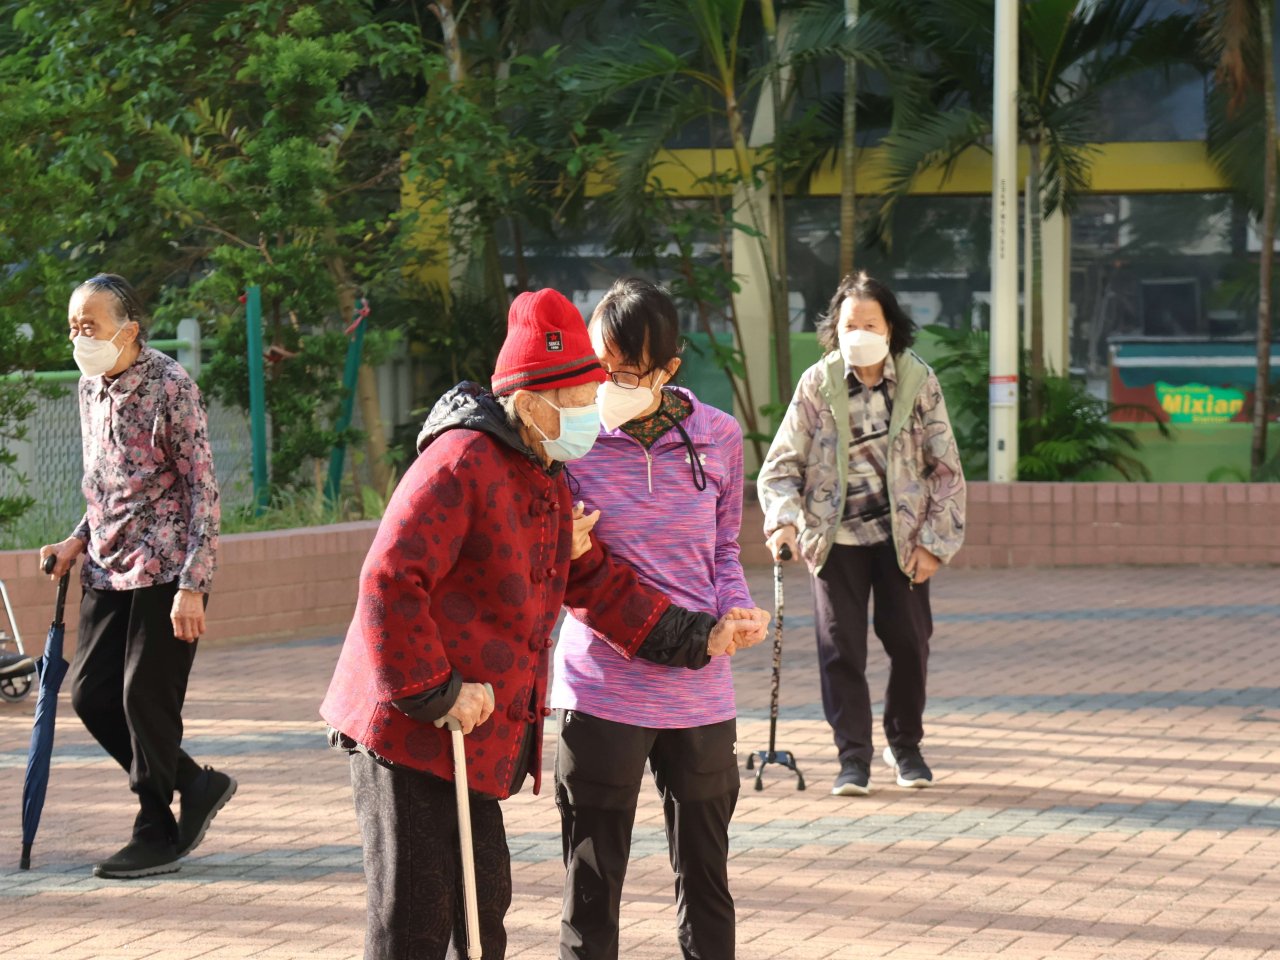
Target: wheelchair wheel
(15, 689)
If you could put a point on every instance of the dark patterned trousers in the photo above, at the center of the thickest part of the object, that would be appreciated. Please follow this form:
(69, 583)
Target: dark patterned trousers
(413, 868)
(904, 624)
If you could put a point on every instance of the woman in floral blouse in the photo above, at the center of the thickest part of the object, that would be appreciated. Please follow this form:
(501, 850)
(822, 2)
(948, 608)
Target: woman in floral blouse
(150, 539)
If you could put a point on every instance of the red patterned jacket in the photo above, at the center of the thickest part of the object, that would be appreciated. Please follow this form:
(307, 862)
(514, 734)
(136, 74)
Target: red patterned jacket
(468, 570)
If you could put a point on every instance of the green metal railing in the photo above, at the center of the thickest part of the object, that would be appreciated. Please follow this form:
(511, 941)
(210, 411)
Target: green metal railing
(66, 376)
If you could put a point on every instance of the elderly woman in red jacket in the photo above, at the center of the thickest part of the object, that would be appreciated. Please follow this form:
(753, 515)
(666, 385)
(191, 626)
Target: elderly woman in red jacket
(462, 587)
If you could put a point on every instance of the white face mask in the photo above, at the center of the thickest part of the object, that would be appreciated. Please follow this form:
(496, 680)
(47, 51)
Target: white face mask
(96, 357)
(619, 405)
(861, 348)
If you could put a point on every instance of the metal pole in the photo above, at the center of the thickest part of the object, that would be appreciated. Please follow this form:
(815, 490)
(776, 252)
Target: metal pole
(257, 395)
(355, 347)
(1004, 249)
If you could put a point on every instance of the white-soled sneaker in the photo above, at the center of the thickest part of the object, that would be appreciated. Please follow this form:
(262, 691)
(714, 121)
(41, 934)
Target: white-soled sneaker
(854, 779)
(909, 766)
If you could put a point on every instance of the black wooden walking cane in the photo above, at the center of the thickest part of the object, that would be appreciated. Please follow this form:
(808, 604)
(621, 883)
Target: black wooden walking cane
(782, 758)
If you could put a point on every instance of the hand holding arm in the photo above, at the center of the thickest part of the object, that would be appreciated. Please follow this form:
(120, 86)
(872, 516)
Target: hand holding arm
(737, 630)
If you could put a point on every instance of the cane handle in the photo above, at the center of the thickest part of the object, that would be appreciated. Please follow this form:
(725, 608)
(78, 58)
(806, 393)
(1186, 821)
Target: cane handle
(452, 722)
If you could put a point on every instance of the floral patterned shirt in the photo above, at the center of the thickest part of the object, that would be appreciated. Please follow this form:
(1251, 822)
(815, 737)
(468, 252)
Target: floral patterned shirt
(152, 497)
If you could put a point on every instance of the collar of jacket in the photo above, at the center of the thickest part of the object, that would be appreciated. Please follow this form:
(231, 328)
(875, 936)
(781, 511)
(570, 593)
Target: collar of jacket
(911, 372)
(129, 379)
(694, 425)
(470, 406)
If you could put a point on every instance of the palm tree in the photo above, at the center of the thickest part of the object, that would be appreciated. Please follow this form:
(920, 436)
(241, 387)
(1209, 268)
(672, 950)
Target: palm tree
(855, 34)
(696, 62)
(1069, 54)
(1242, 124)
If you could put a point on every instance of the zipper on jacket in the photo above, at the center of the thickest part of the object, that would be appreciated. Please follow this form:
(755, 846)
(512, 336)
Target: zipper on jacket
(648, 459)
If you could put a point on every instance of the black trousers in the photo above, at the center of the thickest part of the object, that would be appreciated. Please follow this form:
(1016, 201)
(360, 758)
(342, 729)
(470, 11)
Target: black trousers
(413, 868)
(128, 683)
(599, 770)
(904, 624)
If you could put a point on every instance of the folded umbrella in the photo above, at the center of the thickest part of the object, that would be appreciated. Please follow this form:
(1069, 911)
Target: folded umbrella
(52, 668)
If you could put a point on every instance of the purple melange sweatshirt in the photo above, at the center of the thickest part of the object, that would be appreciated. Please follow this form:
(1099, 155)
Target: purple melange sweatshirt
(682, 541)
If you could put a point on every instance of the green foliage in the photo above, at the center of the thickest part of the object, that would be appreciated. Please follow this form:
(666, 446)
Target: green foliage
(198, 149)
(290, 509)
(16, 404)
(1072, 439)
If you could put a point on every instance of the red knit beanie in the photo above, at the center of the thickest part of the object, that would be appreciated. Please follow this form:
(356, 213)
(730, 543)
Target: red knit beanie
(547, 346)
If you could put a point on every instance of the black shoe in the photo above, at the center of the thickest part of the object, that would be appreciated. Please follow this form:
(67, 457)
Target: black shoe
(139, 858)
(910, 767)
(201, 801)
(854, 779)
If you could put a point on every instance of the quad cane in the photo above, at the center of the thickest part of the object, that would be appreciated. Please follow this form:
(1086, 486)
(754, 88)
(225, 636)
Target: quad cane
(782, 758)
(471, 908)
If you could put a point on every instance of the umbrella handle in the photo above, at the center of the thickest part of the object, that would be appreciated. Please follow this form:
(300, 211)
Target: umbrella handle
(49, 563)
(25, 862)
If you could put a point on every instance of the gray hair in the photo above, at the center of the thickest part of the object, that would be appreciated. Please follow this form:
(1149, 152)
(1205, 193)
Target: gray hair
(128, 305)
(508, 404)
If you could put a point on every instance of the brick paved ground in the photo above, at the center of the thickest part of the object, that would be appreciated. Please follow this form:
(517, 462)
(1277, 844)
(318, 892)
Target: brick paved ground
(1107, 745)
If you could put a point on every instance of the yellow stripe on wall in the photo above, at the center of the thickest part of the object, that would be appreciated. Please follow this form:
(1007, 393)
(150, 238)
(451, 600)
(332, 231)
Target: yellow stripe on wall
(1163, 167)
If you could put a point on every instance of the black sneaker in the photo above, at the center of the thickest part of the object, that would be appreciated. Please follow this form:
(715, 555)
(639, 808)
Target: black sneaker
(201, 801)
(854, 779)
(910, 767)
(139, 858)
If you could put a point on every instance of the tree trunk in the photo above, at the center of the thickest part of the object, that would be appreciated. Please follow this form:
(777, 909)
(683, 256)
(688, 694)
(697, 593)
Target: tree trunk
(443, 10)
(380, 471)
(778, 223)
(522, 266)
(741, 390)
(1035, 285)
(1262, 384)
(848, 161)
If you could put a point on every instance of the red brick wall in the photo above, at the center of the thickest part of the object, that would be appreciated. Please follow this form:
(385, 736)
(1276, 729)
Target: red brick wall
(1100, 524)
(295, 583)
(299, 583)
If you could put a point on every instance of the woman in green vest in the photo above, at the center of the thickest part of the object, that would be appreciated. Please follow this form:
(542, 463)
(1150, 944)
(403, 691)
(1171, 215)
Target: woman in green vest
(864, 482)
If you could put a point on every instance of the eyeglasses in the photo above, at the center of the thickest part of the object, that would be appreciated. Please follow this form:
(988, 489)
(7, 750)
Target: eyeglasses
(626, 379)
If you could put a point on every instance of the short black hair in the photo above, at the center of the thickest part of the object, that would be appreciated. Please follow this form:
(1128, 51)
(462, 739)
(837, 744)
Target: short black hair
(860, 287)
(128, 303)
(638, 316)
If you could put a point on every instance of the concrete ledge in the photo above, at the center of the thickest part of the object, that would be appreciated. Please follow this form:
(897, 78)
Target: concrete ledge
(1104, 524)
(302, 583)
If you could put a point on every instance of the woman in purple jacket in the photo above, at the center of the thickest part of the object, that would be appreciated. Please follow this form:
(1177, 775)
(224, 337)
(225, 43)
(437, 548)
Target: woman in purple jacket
(665, 475)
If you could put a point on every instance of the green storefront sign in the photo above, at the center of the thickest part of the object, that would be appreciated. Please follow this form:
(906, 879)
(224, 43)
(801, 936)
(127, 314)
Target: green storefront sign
(1197, 403)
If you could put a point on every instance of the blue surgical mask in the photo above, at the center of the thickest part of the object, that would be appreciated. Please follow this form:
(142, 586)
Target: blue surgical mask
(579, 427)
